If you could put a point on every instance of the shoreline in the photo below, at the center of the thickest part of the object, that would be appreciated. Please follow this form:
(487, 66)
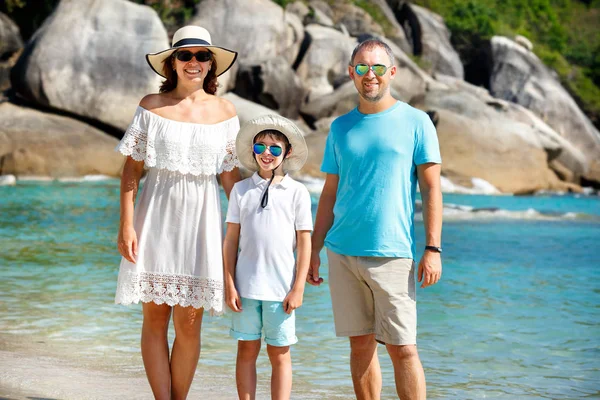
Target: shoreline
(32, 370)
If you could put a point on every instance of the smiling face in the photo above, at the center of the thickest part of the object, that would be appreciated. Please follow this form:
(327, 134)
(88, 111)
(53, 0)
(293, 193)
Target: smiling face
(192, 70)
(371, 87)
(266, 161)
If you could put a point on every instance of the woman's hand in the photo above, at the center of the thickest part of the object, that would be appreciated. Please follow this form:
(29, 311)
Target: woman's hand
(128, 243)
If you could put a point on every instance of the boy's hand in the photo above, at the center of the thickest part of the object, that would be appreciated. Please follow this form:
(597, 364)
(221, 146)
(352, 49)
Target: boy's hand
(313, 270)
(233, 299)
(293, 300)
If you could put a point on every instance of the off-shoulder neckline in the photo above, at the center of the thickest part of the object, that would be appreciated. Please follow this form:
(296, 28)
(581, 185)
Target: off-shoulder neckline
(184, 122)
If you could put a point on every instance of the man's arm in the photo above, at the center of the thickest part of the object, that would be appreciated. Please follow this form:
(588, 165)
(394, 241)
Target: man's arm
(323, 222)
(430, 266)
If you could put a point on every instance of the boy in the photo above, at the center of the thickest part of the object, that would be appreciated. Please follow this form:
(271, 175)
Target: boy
(269, 216)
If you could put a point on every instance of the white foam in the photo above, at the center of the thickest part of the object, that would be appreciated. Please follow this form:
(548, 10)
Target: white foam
(480, 186)
(8, 180)
(87, 178)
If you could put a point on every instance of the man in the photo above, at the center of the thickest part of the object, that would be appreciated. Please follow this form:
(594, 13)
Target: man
(373, 158)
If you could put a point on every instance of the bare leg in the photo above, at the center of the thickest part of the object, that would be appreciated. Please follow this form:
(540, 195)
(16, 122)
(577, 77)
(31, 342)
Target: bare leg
(186, 349)
(245, 368)
(155, 348)
(364, 366)
(408, 372)
(281, 377)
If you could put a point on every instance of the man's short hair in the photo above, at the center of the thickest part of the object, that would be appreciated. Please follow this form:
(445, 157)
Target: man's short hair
(369, 44)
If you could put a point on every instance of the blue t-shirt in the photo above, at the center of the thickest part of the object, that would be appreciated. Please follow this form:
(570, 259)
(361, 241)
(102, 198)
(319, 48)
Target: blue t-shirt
(375, 157)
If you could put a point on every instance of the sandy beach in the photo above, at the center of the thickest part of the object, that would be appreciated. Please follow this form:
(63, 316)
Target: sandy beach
(28, 371)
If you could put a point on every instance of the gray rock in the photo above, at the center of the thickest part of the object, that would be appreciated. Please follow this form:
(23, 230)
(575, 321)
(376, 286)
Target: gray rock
(484, 141)
(356, 20)
(42, 144)
(299, 9)
(519, 76)
(88, 58)
(10, 44)
(256, 29)
(397, 35)
(273, 84)
(326, 59)
(246, 109)
(433, 44)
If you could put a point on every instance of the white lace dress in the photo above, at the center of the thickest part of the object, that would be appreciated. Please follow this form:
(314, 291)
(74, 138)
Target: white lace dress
(177, 217)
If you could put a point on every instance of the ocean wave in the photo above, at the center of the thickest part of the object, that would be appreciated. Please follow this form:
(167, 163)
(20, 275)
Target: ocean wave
(458, 212)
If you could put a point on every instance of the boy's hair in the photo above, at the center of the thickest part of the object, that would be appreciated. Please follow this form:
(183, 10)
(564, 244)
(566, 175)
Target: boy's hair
(275, 135)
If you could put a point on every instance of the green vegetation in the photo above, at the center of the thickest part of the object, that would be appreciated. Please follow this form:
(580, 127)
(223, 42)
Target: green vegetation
(565, 35)
(173, 13)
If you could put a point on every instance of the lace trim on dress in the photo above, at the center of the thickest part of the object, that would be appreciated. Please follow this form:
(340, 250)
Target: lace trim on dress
(171, 289)
(134, 143)
(230, 161)
(195, 159)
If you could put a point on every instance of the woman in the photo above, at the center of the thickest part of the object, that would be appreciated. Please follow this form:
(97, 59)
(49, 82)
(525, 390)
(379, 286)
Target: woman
(171, 243)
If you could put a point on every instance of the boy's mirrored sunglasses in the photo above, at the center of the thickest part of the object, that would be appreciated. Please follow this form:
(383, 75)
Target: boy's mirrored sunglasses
(363, 69)
(201, 56)
(260, 148)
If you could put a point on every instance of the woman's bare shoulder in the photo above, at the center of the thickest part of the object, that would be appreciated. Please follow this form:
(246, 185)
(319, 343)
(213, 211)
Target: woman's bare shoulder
(153, 101)
(227, 107)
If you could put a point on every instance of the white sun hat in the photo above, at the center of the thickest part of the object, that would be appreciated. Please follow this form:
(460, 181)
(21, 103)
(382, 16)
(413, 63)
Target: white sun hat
(193, 36)
(249, 130)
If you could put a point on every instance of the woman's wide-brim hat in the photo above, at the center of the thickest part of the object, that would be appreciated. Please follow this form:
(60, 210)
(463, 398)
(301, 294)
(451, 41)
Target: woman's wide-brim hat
(193, 36)
(249, 130)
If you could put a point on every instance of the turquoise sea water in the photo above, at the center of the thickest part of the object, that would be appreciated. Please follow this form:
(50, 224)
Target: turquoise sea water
(516, 315)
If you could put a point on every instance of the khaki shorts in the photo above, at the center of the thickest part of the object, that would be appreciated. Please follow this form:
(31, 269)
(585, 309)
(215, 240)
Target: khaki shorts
(374, 295)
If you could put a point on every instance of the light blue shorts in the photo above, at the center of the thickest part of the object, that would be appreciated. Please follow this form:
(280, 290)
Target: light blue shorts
(279, 327)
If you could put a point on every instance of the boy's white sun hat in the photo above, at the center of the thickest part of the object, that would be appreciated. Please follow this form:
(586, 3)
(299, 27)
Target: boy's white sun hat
(193, 36)
(245, 141)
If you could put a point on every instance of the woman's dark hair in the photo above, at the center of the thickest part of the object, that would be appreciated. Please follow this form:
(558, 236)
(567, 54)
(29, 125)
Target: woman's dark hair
(210, 82)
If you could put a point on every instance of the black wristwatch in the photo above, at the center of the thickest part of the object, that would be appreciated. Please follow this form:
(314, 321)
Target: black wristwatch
(434, 248)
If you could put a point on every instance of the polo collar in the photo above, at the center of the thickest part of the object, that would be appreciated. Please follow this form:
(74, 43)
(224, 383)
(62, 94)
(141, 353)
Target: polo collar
(259, 181)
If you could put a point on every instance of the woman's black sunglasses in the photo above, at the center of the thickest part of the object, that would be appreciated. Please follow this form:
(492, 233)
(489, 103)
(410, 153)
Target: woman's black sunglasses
(201, 56)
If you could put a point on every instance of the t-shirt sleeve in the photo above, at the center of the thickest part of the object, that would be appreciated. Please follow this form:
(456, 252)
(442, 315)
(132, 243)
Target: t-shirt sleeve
(135, 140)
(427, 147)
(233, 208)
(230, 159)
(330, 164)
(303, 220)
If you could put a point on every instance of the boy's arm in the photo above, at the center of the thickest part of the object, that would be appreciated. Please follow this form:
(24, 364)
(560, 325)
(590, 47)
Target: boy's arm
(294, 299)
(230, 252)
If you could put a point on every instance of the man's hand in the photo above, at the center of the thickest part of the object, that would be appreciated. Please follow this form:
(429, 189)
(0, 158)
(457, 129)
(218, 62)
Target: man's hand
(313, 270)
(430, 268)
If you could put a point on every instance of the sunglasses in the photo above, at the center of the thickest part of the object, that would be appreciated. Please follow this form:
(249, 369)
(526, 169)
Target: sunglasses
(363, 69)
(260, 148)
(201, 56)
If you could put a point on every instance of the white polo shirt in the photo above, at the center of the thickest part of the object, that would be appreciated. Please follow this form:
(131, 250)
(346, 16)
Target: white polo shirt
(266, 267)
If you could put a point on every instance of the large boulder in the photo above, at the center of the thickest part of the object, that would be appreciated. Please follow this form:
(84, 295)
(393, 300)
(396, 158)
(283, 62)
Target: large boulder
(273, 84)
(42, 144)
(519, 76)
(392, 28)
(10, 44)
(483, 141)
(88, 58)
(356, 20)
(325, 60)
(562, 154)
(246, 109)
(432, 43)
(257, 29)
